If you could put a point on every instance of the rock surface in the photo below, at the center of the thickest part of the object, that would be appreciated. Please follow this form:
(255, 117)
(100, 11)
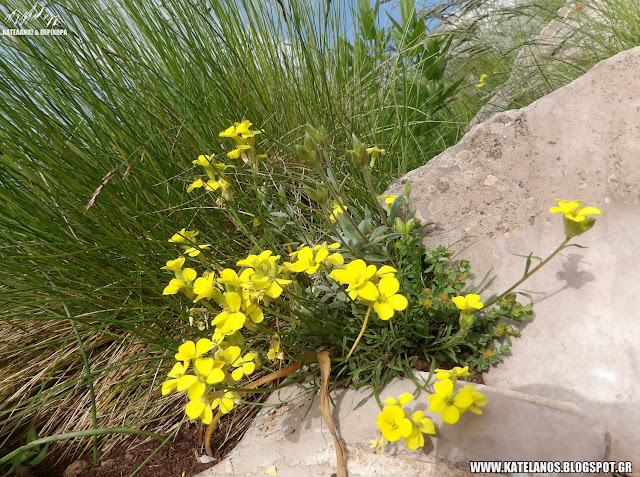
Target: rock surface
(295, 440)
(497, 185)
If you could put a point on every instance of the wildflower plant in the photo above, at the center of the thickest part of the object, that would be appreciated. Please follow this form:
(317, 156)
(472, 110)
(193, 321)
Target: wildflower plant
(366, 291)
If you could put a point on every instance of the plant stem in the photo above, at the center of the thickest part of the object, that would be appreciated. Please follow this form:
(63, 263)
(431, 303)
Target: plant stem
(364, 327)
(367, 180)
(528, 274)
(338, 200)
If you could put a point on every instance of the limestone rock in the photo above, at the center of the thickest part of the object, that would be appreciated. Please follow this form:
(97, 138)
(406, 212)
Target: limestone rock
(496, 186)
(294, 439)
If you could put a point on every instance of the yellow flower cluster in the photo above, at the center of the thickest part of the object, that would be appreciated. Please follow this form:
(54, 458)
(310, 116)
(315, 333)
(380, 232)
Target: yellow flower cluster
(217, 177)
(451, 405)
(374, 287)
(241, 295)
(244, 138)
(215, 367)
(319, 258)
(395, 423)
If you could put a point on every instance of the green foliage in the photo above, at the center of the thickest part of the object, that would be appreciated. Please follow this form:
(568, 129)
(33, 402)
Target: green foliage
(36, 453)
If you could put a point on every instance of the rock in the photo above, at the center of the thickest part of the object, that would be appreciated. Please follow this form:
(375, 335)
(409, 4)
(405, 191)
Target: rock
(295, 440)
(497, 185)
(25, 470)
(75, 468)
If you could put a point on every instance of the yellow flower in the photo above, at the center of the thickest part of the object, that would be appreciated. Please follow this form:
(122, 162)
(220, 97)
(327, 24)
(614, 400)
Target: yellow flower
(378, 444)
(244, 366)
(388, 199)
(231, 319)
(421, 425)
(196, 250)
(452, 374)
(190, 350)
(198, 407)
(357, 275)
(483, 77)
(210, 185)
(204, 160)
(184, 236)
(393, 423)
(224, 401)
(176, 373)
(338, 208)
(209, 370)
(572, 210)
(275, 352)
(468, 303)
(206, 287)
(403, 399)
(445, 403)
(388, 301)
(478, 400)
(183, 281)
(374, 152)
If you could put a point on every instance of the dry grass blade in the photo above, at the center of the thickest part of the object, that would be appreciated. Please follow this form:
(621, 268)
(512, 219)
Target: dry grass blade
(325, 407)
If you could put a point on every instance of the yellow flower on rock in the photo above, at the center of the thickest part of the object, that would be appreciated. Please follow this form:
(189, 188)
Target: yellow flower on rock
(420, 425)
(388, 301)
(393, 423)
(452, 374)
(389, 199)
(378, 444)
(468, 303)
(573, 211)
(446, 403)
(478, 400)
(403, 399)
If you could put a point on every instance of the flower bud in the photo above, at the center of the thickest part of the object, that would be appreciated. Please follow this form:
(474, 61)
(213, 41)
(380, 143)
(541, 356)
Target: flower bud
(309, 154)
(318, 135)
(573, 228)
(320, 195)
(359, 154)
(400, 226)
(407, 190)
(410, 224)
(466, 319)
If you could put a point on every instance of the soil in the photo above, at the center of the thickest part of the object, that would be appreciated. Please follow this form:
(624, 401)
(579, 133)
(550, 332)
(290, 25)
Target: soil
(130, 452)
